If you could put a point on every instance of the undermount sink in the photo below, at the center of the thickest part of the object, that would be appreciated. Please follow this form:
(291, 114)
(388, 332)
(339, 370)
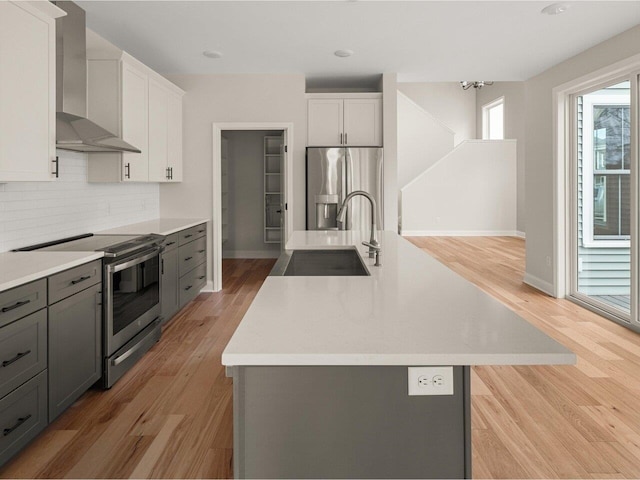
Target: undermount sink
(313, 263)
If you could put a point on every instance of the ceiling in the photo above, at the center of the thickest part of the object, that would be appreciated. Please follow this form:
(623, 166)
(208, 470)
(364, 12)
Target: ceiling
(420, 40)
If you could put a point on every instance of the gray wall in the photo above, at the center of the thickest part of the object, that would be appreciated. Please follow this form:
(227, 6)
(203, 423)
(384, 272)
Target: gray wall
(448, 103)
(514, 126)
(246, 198)
(539, 167)
(233, 98)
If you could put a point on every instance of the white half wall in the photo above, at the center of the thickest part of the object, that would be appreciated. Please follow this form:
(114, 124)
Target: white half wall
(422, 140)
(471, 191)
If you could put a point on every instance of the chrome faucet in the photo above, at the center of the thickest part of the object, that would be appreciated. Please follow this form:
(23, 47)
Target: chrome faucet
(374, 246)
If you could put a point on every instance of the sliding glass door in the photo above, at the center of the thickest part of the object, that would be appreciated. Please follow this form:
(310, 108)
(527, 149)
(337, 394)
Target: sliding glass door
(604, 160)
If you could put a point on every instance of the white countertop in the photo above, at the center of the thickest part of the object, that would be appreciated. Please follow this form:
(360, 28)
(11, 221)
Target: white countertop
(411, 311)
(18, 268)
(161, 226)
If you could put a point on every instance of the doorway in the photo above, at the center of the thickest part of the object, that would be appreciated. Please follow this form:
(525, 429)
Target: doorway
(601, 157)
(251, 191)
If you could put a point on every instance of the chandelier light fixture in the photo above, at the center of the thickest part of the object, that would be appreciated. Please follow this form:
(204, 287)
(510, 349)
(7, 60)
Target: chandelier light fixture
(479, 84)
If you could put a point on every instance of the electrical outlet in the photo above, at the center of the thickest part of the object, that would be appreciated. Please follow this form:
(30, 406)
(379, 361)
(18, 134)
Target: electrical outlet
(430, 380)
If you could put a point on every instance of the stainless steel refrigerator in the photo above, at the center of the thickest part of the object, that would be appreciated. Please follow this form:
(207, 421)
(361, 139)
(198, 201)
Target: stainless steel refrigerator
(333, 173)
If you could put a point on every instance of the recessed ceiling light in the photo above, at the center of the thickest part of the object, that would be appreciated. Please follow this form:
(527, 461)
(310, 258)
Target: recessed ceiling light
(212, 54)
(555, 8)
(343, 53)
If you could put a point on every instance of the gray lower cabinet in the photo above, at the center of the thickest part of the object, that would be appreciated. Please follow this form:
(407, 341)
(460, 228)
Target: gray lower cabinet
(75, 347)
(23, 414)
(184, 268)
(170, 294)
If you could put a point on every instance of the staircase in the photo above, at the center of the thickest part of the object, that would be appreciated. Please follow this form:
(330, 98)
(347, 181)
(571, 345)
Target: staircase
(466, 190)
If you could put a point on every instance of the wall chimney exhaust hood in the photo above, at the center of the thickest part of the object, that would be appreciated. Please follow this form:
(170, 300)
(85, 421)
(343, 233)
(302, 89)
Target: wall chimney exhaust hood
(73, 130)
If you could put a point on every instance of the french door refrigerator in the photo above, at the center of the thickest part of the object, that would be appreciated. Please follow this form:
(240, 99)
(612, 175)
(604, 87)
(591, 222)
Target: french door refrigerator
(333, 173)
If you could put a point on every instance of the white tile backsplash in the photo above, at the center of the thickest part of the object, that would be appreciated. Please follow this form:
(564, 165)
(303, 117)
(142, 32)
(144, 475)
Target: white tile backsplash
(35, 212)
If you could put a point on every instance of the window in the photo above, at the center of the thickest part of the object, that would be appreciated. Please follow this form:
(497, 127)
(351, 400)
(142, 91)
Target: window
(606, 156)
(493, 120)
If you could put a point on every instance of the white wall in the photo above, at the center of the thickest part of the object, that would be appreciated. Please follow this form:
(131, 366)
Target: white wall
(36, 212)
(471, 191)
(390, 142)
(539, 168)
(447, 102)
(246, 196)
(422, 140)
(233, 98)
(514, 126)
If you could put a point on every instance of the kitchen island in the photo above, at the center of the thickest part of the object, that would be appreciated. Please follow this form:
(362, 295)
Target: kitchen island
(320, 366)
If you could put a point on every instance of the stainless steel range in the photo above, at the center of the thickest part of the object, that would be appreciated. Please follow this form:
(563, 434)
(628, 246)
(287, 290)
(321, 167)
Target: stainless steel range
(131, 295)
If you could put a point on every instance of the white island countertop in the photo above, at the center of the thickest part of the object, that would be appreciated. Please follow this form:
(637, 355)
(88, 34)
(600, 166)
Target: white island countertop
(161, 226)
(412, 310)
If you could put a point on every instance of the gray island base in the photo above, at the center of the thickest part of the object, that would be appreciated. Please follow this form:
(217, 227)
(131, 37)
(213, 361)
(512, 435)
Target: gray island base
(320, 366)
(347, 422)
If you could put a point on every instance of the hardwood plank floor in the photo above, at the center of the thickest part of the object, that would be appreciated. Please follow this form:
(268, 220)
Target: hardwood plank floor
(171, 416)
(577, 421)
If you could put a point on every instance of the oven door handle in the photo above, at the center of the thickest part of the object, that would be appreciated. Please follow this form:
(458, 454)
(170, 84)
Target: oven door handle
(118, 360)
(144, 256)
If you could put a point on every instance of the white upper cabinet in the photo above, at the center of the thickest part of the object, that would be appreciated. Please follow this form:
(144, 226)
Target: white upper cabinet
(131, 100)
(326, 122)
(353, 121)
(27, 91)
(135, 123)
(165, 134)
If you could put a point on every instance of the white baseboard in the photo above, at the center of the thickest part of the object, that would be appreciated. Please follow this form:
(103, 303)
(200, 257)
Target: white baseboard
(539, 284)
(520, 234)
(250, 254)
(208, 288)
(461, 233)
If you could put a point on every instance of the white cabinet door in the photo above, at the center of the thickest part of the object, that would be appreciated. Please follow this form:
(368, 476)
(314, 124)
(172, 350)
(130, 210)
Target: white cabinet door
(135, 123)
(27, 93)
(362, 122)
(325, 122)
(174, 137)
(158, 130)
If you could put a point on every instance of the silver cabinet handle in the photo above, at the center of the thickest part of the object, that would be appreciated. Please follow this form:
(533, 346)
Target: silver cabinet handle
(341, 139)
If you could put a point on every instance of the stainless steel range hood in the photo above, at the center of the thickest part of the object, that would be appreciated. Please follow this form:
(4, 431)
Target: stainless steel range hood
(73, 130)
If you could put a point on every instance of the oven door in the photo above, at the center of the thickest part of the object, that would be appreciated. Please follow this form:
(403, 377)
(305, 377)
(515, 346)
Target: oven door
(132, 297)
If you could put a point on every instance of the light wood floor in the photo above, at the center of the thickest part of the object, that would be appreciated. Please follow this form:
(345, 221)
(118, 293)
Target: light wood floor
(171, 415)
(578, 421)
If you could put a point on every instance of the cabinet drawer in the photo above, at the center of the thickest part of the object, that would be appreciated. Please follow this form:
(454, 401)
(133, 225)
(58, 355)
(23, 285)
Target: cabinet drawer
(191, 255)
(23, 300)
(23, 350)
(23, 414)
(171, 242)
(192, 233)
(191, 283)
(74, 280)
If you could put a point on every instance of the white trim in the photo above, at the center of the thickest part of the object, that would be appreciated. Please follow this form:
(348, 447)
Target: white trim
(251, 254)
(462, 233)
(561, 154)
(539, 284)
(520, 234)
(588, 102)
(216, 225)
(486, 108)
(208, 288)
(341, 96)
